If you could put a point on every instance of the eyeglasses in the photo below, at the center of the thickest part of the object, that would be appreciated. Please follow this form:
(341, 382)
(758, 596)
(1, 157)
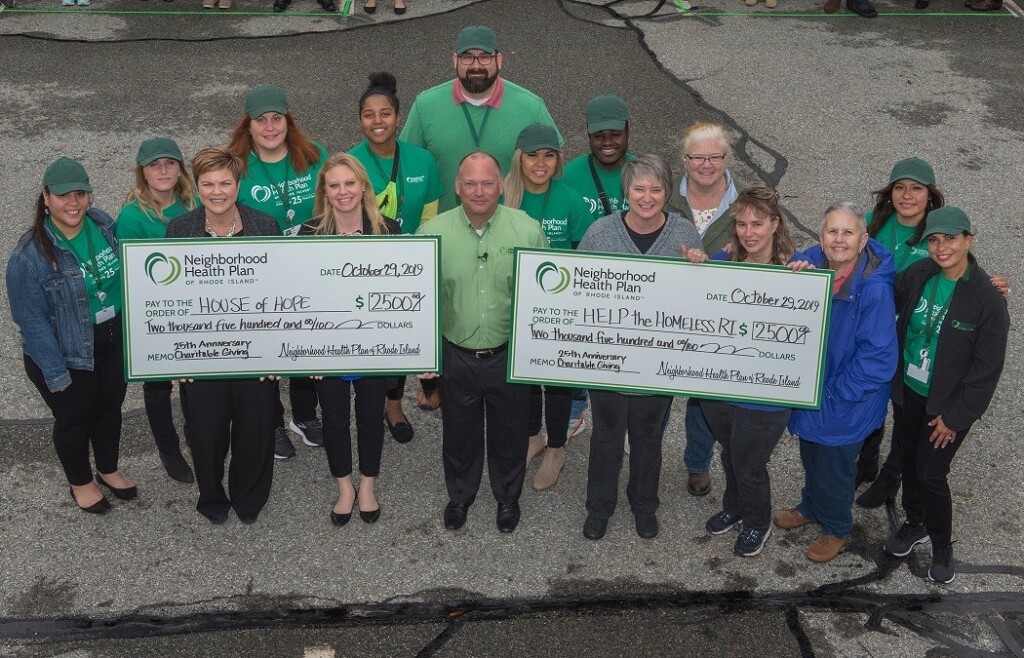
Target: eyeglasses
(701, 159)
(485, 59)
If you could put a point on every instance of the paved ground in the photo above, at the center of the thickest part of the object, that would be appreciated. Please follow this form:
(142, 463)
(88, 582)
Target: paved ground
(822, 106)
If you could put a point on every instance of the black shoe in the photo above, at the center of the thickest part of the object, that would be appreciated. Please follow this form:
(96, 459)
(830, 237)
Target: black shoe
(248, 519)
(216, 518)
(866, 473)
(370, 10)
(943, 568)
(311, 431)
(646, 526)
(594, 528)
(128, 493)
(921, 4)
(400, 10)
(281, 5)
(882, 489)
(340, 519)
(176, 466)
(508, 516)
(283, 448)
(101, 506)
(455, 515)
(401, 431)
(328, 5)
(862, 7)
(370, 517)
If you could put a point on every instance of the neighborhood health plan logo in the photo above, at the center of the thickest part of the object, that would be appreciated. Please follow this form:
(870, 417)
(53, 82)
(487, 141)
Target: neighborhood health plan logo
(162, 270)
(552, 284)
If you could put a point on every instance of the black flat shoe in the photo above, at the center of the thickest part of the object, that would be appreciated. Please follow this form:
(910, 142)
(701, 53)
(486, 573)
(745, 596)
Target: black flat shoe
(921, 4)
(370, 517)
(281, 5)
(128, 493)
(399, 10)
(401, 431)
(369, 10)
(328, 5)
(101, 506)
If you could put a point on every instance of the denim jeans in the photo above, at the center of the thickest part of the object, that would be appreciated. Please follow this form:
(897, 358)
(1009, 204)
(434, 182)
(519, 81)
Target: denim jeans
(700, 442)
(830, 476)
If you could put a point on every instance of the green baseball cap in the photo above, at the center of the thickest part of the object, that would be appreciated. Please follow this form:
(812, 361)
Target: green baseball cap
(915, 169)
(156, 148)
(536, 137)
(265, 98)
(947, 220)
(479, 37)
(606, 112)
(66, 175)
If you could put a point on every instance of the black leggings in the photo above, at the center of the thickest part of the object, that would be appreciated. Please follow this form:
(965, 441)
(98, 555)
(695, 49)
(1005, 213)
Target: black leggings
(555, 405)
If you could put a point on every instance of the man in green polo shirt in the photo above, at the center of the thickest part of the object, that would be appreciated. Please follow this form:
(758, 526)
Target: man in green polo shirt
(477, 240)
(477, 111)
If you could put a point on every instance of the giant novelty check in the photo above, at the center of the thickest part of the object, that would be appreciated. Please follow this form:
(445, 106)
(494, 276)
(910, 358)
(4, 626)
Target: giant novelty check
(732, 331)
(275, 306)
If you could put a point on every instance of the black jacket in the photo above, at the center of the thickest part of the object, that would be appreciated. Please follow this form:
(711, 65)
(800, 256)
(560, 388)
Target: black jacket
(193, 224)
(391, 227)
(972, 343)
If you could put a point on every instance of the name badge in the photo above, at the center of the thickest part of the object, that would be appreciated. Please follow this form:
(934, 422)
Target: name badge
(292, 230)
(105, 314)
(920, 373)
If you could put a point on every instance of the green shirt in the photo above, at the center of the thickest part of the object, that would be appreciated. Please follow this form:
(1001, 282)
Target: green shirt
(562, 214)
(101, 269)
(476, 273)
(894, 236)
(135, 221)
(437, 124)
(418, 182)
(923, 332)
(577, 176)
(275, 189)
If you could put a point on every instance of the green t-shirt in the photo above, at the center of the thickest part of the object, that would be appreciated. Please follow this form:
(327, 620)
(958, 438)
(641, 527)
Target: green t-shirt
(562, 214)
(437, 124)
(894, 236)
(418, 182)
(922, 338)
(101, 269)
(577, 176)
(275, 189)
(135, 221)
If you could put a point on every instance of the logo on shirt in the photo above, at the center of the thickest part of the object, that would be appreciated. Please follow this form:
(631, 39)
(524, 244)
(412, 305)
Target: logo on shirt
(260, 193)
(551, 278)
(162, 270)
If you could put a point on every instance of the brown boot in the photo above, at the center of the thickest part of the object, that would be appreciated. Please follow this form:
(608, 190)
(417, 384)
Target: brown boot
(550, 468)
(825, 547)
(788, 519)
(698, 484)
(537, 443)
(831, 6)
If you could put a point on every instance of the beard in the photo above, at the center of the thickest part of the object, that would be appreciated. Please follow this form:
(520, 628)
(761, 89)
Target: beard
(476, 85)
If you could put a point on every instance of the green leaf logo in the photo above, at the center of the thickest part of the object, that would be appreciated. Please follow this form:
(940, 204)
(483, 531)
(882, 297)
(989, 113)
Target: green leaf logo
(549, 284)
(162, 270)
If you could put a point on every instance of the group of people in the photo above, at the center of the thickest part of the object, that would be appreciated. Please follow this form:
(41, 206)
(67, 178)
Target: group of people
(479, 163)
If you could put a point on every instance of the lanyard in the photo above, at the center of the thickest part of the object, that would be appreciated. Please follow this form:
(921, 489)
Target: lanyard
(383, 203)
(472, 128)
(905, 253)
(600, 188)
(284, 194)
(88, 263)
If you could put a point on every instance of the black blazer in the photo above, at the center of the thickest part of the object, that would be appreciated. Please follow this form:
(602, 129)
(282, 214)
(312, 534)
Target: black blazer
(193, 224)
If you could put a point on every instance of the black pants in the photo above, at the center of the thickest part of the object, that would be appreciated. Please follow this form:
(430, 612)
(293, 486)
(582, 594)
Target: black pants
(396, 386)
(553, 405)
(302, 396)
(334, 401)
(748, 437)
(235, 414)
(156, 397)
(88, 411)
(926, 495)
(474, 391)
(643, 416)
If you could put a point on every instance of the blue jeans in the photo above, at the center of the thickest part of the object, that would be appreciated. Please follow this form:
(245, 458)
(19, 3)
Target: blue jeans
(700, 442)
(830, 476)
(579, 403)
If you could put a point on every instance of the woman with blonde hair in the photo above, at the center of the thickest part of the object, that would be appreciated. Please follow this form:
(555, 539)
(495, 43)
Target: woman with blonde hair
(345, 204)
(163, 191)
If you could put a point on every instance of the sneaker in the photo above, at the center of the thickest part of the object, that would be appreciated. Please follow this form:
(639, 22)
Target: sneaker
(722, 523)
(283, 448)
(941, 570)
(904, 540)
(751, 541)
(311, 431)
(576, 426)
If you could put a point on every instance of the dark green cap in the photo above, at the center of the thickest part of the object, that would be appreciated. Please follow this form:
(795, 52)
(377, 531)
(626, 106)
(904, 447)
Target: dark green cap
(536, 137)
(156, 148)
(915, 169)
(66, 175)
(606, 112)
(947, 220)
(265, 98)
(478, 37)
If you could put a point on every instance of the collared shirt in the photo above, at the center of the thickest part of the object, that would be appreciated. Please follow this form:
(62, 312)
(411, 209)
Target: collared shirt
(476, 273)
(497, 93)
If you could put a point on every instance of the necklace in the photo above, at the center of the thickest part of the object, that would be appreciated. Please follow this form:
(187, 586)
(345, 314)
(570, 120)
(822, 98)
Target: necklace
(231, 229)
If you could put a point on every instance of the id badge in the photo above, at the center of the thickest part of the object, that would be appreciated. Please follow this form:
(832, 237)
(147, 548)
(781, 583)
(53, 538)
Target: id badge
(105, 314)
(292, 230)
(920, 373)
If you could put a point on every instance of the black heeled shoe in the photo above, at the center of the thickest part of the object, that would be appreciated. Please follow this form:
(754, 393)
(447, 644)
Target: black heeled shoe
(128, 493)
(371, 516)
(101, 506)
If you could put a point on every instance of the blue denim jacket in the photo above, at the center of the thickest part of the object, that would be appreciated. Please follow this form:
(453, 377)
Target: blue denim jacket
(50, 307)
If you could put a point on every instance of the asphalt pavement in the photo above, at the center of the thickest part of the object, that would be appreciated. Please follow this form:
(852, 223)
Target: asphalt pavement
(821, 105)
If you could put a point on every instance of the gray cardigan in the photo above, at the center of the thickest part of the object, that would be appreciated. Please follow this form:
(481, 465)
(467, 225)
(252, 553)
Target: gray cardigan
(609, 234)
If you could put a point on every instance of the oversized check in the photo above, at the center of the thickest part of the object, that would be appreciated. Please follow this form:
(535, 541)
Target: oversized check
(297, 306)
(732, 331)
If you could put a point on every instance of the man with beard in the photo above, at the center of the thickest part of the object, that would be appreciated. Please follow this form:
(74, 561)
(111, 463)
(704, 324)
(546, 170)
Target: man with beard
(477, 111)
(482, 413)
(597, 175)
